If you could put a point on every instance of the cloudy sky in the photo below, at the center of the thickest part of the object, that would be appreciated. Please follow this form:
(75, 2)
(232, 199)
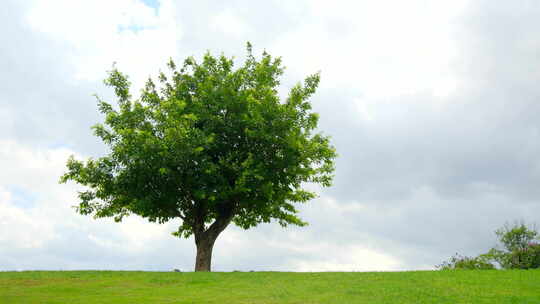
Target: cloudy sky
(433, 107)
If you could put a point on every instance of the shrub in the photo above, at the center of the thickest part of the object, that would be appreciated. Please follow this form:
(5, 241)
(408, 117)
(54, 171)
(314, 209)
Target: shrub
(525, 258)
(463, 262)
(521, 251)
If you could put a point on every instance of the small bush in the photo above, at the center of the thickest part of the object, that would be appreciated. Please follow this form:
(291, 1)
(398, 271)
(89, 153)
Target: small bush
(525, 258)
(463, 262)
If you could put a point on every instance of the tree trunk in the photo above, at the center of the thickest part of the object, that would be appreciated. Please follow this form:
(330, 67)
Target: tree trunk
(205, 239)
(205, 244)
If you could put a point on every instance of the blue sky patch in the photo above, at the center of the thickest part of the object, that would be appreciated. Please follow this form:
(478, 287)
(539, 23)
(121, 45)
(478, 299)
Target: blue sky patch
(22, 198)
(151, 3)
(134, 28)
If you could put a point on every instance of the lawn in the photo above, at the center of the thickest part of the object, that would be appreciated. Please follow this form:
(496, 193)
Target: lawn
(493, 286)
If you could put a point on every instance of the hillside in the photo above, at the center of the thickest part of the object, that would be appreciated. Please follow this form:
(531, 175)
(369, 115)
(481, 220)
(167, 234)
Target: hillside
(270, 287)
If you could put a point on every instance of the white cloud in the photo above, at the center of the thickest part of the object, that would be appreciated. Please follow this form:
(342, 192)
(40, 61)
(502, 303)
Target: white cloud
(51, 221)
(382, 49)
(31, 169)
(97, 33)
(227, 23)
(34, 173)
(346, 258)
(22, 228)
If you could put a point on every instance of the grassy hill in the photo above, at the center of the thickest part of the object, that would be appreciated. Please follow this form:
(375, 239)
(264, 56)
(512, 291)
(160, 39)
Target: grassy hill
(516, 286)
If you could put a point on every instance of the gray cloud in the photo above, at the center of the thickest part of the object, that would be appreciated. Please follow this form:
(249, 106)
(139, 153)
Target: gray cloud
(476, 151)
(261, 24)
(44, 107)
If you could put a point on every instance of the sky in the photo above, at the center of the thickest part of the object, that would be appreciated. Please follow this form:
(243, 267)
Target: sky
(433, 107)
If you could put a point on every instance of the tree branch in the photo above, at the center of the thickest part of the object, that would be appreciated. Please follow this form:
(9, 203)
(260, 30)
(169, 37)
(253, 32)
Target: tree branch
(219, 225)
(221, 222)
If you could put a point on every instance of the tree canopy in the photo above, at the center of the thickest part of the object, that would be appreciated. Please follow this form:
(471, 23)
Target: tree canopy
(208, 144)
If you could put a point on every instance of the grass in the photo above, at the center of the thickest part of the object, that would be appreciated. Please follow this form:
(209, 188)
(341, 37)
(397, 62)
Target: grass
(89, 287)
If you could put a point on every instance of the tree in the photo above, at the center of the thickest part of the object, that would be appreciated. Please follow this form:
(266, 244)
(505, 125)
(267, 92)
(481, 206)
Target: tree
(208, 145)
(520, 251)
(516, 237)
(520, 247)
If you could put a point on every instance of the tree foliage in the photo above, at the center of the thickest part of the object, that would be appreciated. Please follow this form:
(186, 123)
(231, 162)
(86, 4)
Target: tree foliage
(518, 249)
(516, 237)
(208, 144)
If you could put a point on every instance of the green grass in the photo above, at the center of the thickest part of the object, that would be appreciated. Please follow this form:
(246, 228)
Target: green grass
(516, 286)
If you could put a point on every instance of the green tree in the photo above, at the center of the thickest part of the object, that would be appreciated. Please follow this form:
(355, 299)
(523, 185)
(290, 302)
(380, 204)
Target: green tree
(209, 145)
(520, 250)
(520, 247)
(516, 237)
